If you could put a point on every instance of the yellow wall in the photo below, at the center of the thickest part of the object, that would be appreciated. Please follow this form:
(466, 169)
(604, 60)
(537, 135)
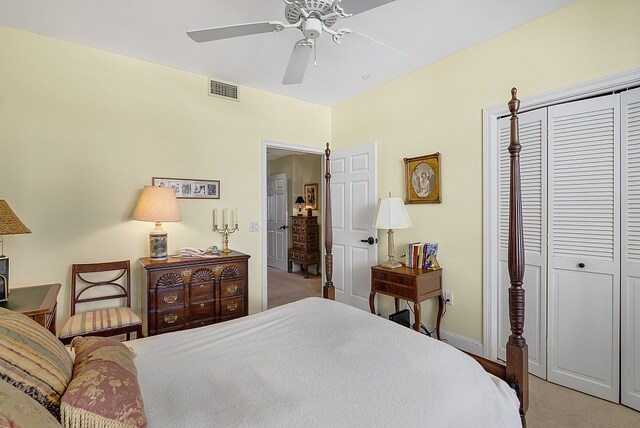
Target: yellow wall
(439, 109)
(83, 130)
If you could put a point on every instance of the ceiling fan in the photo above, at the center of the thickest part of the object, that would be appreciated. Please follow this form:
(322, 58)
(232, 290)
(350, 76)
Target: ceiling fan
(312, 17)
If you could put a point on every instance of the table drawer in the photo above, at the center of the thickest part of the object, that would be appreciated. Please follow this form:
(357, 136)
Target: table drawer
(202, 310)
(230, 288)
(169, 297)
(229, 307)
(170, 318)
(402, 291)
(201, 292)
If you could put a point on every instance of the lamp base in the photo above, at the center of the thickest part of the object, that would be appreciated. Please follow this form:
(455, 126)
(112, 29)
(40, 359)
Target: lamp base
(158, 243)
(391, 264)
(4, 279)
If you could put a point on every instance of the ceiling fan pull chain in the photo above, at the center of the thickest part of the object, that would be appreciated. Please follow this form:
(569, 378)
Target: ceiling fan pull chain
(315, 54)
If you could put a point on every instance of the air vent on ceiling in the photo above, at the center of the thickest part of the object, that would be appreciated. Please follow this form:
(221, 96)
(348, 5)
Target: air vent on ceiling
(223, 90)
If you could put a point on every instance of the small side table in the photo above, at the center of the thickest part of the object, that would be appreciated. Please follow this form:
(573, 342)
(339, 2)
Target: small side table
(411, 284)
(38, 303)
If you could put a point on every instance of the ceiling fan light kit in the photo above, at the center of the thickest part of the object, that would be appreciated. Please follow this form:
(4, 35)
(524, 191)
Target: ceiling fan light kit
(311, 17)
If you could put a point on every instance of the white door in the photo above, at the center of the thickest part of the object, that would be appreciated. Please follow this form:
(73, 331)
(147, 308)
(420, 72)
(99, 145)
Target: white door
(533, 138)
(353, 200)
(277, 216)
(584, 246)
(630, 293)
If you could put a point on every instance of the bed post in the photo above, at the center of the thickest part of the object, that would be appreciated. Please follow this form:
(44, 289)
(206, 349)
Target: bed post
(328, 291)
(517, 370)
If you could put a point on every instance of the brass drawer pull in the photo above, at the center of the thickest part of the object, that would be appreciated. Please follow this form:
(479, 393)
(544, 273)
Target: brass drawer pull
(232, 306)
(186, 272)
(201, 285)
(202, 305)
(171, 298)
(171, 318)
(232, 288)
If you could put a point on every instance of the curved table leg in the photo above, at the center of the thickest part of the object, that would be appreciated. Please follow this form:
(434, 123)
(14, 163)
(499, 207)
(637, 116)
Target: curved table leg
(416, 309)
(440, 310)
(372, 295)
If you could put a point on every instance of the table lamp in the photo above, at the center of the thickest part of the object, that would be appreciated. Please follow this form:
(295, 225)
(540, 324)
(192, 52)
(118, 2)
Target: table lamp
(10, 224)
(391, 214)
(300, 202)
(157, 204)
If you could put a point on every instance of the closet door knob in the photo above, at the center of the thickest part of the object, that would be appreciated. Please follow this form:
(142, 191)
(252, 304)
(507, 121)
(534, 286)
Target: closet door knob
(581, 265)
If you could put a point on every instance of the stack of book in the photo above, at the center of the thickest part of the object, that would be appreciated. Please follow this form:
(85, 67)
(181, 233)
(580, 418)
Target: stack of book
(422, 255)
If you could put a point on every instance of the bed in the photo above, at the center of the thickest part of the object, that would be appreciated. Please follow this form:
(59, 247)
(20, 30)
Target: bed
(318, 362)
(315, 362)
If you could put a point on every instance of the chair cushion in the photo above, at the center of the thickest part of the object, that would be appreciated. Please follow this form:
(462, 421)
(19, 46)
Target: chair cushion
(104, 391)
(17, 410)
(33, 360)
(99, 320)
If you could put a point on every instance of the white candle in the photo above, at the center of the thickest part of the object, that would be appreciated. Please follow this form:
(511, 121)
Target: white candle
(224, 218)
(236, 217)
(215, 226)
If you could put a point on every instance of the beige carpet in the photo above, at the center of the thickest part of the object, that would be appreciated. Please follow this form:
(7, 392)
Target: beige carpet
(284, 287)
(553, 406)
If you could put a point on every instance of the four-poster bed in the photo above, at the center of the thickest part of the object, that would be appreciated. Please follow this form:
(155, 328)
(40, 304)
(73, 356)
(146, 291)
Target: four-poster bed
(314, 362)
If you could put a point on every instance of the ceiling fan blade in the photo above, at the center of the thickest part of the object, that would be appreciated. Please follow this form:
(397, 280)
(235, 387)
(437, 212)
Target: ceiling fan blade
(366, 47)
(298, 62)
(230, 31)
(354, 7)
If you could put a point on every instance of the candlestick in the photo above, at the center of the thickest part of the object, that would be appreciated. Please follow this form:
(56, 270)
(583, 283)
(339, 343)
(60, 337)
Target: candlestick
(225, 231)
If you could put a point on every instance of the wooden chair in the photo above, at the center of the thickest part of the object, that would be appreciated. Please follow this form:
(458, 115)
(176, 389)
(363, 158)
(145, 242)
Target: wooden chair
(101, 322)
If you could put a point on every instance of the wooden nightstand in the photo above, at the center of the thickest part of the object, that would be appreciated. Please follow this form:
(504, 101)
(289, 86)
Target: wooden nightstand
(38, 302)
(411, 284)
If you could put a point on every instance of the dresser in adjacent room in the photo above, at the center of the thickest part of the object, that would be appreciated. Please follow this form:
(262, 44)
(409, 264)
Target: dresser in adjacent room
(305, 248)
(180, 293)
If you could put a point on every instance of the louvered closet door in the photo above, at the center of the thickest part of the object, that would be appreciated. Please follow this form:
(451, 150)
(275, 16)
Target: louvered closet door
(630, 325)
(584, 246)
(533, 138)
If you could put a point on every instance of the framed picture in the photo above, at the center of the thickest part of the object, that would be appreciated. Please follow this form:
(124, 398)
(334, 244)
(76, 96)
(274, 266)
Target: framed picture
(190, 188)
(422, 179)
(311, 195)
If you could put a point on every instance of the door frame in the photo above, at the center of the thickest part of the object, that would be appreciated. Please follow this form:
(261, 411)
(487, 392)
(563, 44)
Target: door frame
(490, 199)
(264, 145)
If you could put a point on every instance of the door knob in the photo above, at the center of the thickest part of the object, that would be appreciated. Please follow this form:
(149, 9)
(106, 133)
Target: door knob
(581, 265)
(370, 240)
(284, 226)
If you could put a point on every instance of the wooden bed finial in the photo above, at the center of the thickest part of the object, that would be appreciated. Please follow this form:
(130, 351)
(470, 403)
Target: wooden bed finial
(517, 349)
(328, 291)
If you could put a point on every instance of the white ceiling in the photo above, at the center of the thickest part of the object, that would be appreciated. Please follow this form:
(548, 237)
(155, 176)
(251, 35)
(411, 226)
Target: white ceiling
(154, 30)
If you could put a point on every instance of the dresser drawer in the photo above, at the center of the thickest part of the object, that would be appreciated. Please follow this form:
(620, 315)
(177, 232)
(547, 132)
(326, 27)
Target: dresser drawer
(201, 323)
(200, 292)
(234, 287)
(232, 307)
(166, 278)
(169, 297)
(170, 318)
(200, 311)
(232, 270)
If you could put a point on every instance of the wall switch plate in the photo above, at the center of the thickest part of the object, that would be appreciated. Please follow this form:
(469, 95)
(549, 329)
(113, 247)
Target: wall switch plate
(448, 297)
(253, 226)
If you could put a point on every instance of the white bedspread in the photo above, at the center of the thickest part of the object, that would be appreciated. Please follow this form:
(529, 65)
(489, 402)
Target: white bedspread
(315, 363)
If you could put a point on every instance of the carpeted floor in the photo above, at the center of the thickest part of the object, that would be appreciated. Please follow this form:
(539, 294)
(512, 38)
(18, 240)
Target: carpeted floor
(284, 287)
(554, 406)
(550, 405)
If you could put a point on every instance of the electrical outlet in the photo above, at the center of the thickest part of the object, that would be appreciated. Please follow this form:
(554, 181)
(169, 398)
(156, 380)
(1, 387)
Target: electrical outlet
(448, 298)
(253, 226)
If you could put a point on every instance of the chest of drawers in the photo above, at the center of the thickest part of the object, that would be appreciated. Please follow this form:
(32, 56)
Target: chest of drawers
(185, 293)
(305, 248)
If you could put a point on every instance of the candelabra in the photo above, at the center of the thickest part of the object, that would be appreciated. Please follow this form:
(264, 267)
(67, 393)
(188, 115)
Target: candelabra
(225, 231)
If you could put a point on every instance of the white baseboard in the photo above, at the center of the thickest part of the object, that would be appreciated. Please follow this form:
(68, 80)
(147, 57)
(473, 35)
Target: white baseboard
(462, 343)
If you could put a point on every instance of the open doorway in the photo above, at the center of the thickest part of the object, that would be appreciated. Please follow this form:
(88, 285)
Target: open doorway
(292, 179)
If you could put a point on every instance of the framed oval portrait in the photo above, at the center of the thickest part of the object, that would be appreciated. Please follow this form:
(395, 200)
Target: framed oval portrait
(422, 179)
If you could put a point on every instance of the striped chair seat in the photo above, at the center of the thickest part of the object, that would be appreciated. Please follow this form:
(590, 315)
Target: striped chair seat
(99, 321)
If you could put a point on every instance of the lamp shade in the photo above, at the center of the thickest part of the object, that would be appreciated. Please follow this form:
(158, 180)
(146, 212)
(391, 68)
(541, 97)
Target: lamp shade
(299, 200)
(10, 224)
(158, 204)
(391, 214)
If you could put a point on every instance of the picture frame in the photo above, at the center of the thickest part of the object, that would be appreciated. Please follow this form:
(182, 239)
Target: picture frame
(311, 195)
(190, 188)
(422, 179)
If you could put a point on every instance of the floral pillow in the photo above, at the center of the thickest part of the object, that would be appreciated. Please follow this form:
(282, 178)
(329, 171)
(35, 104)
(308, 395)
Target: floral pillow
(104, 391)
(33, 360)
(17, 410)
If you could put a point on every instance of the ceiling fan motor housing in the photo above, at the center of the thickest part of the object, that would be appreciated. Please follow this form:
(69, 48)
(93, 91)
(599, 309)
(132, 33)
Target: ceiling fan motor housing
(312, 28)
